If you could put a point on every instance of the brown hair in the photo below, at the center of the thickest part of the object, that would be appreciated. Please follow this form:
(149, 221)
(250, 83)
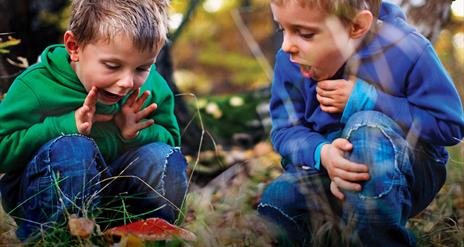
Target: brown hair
(144, 21)
(346, 10)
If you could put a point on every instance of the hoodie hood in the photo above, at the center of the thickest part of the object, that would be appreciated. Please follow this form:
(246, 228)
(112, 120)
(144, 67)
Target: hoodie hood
(56, 59)
(392, 28)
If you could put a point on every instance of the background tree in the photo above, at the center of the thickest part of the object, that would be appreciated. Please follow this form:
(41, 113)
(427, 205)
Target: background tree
(428, 16)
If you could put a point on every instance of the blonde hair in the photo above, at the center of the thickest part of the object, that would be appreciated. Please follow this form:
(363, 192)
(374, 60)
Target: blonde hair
(144, 21)
(346, 10)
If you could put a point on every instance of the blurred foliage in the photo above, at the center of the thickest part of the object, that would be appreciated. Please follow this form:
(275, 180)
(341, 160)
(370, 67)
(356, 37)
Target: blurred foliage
(240, 119)
(5, 44)
(213, 48)
(58, 19)
(450, 48)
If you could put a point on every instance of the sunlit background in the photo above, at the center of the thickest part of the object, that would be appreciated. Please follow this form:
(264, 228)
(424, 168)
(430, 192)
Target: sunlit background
(212, 55)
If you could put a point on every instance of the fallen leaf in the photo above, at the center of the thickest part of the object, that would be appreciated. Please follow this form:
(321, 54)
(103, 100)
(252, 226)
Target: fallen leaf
(80, 227)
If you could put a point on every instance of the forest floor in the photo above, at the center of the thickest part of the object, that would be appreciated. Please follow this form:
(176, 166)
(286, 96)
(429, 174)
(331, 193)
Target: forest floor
(222, 212)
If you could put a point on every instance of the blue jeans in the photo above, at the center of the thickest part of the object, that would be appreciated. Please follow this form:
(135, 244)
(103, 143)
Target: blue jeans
(404, 180)
(69, 176)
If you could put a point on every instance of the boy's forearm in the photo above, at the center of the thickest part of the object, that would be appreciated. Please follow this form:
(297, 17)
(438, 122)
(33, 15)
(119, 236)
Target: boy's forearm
(17, 147)
(297, 144)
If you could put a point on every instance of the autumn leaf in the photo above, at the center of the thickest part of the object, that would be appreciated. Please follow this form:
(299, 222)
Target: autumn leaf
(80, 227)
(5, 44)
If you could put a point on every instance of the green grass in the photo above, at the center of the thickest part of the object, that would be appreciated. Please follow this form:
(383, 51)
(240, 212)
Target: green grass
(442, 222)
(223, 214)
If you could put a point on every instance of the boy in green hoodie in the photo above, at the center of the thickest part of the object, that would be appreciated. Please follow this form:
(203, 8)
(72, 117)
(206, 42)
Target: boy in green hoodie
(93, 121)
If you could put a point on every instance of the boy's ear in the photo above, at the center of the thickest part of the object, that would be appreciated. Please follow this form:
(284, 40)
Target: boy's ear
(71, 45)
(361, 24)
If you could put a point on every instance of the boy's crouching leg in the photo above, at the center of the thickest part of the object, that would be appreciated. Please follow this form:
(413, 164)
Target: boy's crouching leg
(62, 176)
(152, 181)
(379, 212)
(299, 204)
(280, 205)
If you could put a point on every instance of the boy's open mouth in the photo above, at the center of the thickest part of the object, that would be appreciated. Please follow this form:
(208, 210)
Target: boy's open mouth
(108, 98)
(306, 71)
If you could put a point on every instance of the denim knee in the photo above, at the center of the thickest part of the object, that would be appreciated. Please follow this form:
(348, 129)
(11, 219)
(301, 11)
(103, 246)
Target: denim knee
(62, 175)
(372, 118)
(378, 142)
(68, 147)
(68, 162)
(157, 173)
(150, 163)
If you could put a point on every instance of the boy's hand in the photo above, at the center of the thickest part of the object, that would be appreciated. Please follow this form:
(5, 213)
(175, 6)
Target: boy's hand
(129, 119)
(334, 94)
(343, 173)
(85, 116)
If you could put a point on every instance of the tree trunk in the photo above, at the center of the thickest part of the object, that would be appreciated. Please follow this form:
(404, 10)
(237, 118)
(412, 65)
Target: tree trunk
(428, 16)
(191, 136)
(21, 19)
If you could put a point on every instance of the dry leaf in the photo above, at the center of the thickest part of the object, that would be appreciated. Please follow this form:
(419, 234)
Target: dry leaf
(80, 227)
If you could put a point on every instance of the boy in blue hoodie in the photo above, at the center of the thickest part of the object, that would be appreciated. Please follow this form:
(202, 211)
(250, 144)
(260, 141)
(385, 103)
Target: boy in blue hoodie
(361, 110)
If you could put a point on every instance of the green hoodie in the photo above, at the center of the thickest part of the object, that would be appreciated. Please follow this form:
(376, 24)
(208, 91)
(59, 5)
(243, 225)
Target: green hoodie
(40, 106)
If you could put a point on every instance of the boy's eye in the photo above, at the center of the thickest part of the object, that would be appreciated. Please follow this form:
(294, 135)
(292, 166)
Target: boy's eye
(307, 35)
(143, 69)
(111, 66)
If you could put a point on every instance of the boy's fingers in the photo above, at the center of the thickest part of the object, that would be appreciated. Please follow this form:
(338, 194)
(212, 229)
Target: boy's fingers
(330, 85)
(81, 113)
(84, 128)
(355, 167)
(326, 94)
(141, 100)
(336, 191)
(343, 184)
(325, 85)
(144, 124)
(351, 176)
(91, 99)
(343, 144)
(349, 166)
(130, 101)
(145, 112)
(330, 109)
(324, 100)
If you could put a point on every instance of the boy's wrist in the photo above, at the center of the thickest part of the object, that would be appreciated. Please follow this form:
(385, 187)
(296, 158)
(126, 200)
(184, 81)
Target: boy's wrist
(324, 148)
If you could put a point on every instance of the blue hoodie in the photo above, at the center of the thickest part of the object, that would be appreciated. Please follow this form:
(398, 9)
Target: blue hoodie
(399, 74)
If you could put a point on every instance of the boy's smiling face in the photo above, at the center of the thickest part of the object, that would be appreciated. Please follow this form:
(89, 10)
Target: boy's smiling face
(318, 42)
(115, 68)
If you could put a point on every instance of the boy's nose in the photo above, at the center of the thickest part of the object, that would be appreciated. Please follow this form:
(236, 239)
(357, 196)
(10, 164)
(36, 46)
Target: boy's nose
(287, 45)
(126, 82)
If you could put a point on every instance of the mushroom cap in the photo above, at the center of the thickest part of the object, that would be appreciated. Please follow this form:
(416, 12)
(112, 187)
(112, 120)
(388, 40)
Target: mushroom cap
(152, 229)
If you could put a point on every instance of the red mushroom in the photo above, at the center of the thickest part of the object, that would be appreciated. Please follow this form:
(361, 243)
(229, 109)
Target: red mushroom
(152, 229)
